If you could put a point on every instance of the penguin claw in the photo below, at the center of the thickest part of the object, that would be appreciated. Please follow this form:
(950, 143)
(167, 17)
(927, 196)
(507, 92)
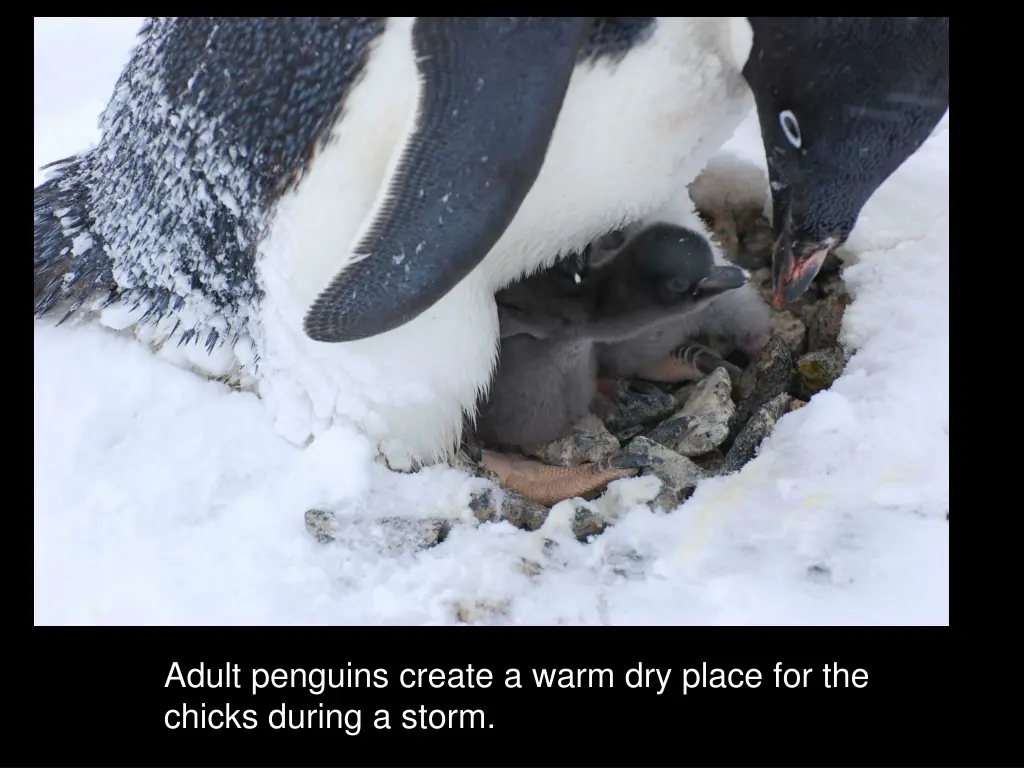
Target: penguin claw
(473, 452)
(705, 360)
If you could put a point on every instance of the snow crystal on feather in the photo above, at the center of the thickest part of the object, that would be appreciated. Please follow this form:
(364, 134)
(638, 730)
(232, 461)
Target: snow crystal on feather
(179, 217)
(210, 122)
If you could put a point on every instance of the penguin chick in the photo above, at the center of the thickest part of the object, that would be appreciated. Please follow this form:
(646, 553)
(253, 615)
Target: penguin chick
(738, 318)
(551, 325)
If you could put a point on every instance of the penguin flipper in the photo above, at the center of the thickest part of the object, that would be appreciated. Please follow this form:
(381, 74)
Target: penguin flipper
(491, 90)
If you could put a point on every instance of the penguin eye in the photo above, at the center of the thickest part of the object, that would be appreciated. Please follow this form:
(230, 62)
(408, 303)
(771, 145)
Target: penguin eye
(790, 127)
(679, 285)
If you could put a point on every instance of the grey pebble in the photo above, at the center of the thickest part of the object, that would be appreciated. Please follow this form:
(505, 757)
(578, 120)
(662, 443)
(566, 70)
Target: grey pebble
(757, 428)
(703, 423)
(817, 371)
(395, 534)
(679, 475)
(767, 377)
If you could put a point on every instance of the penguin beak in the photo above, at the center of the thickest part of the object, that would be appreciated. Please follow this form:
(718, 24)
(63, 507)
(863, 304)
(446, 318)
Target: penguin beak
(794, 266)
(722, 279)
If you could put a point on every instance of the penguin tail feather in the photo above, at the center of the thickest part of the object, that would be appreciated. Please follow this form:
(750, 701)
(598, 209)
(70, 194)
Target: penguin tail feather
(71, 265)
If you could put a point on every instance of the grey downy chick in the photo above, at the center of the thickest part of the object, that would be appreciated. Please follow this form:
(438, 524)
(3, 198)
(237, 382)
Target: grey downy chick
(553, 324)
(551, 327)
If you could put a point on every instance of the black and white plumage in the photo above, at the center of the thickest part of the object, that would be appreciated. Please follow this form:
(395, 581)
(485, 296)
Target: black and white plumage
(245, 162)
(166, 213)
(843, 102)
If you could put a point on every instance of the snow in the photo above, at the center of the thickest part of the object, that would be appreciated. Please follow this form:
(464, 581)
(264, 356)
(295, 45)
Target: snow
(165, 498)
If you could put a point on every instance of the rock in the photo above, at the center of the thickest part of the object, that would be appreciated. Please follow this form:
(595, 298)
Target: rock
(682, 394)
(703, 423)
(589, 441)
(587, 523)
(679, 475)
(668, 500)
(625, 435)
(765, 378)
(320, 523)
(757, 428)
(481, 610)
(522, 512)
(795, 403)
(397, 534)
(710, 461)
(791, 328)
(531, 567)
(828, 321)
(639, 405)
(805, 309)
(580, 517)
(484, 506)
(816, 371)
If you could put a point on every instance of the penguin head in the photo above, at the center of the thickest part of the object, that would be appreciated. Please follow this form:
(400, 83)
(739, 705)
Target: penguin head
(672, 260)
(668, 265)
(842, 103)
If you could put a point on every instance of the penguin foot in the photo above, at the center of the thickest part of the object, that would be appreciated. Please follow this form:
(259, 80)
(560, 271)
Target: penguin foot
(549, 485)
(671, 369)
(690, 362)
(470, 453)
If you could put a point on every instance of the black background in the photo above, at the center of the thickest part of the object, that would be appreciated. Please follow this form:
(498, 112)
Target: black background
(99, 698)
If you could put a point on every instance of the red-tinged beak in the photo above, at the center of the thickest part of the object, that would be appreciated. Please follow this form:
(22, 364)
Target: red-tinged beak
(792, 274)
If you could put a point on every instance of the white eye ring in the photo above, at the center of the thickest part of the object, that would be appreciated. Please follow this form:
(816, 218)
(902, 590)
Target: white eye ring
(790, 127)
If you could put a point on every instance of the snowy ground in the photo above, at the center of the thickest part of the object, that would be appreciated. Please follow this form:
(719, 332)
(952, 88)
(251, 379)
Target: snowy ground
(162, 498)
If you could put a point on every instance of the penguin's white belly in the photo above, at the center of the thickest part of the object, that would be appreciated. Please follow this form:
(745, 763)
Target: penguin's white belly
(630, 137)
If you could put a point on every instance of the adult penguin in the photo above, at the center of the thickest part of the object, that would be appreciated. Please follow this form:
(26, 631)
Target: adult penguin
(323, 208)
(843, 102)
